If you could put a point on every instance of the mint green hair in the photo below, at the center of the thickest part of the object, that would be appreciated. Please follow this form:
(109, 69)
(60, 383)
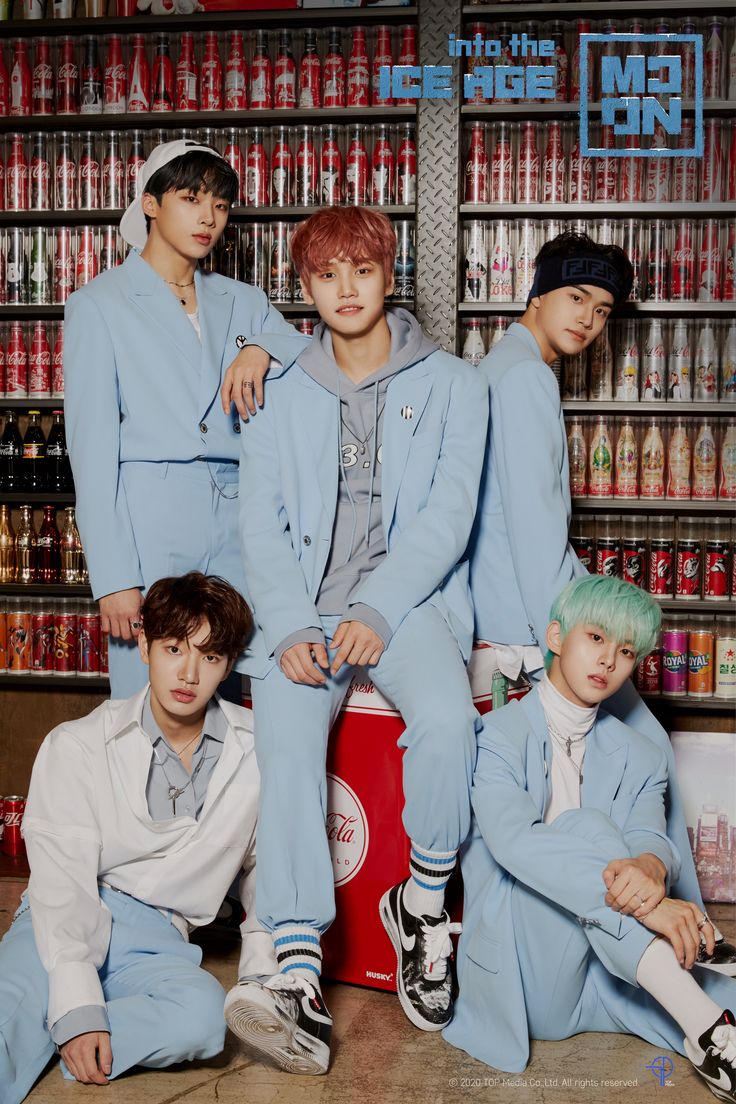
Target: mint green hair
(623, 611)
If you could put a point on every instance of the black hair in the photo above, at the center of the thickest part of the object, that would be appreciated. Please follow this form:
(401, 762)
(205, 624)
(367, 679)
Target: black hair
(192, 171)
(573, 243)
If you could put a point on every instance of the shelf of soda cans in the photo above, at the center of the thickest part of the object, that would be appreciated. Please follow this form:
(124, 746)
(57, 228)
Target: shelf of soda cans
(695, 662)
(277, 167)
(45, 637)
(583, 406)
(686, 562)
(638, 365)
(653, 458)
(512, 10)
(144, 75)
(662, 307)
(674, 260)
(217, 20)
(48, 554)
(44, 265)
(497, 54)
(538, 163)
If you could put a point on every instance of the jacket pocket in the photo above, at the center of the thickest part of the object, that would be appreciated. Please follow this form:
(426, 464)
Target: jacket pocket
(485, 953)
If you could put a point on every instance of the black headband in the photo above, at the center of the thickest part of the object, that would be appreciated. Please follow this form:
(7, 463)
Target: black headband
(583, 268)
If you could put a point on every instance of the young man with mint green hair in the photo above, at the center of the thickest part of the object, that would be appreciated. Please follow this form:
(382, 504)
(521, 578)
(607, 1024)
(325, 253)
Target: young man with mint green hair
(568, 925)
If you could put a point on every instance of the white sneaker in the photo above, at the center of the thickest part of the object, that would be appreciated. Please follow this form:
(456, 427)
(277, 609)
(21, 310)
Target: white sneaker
(283, 1019)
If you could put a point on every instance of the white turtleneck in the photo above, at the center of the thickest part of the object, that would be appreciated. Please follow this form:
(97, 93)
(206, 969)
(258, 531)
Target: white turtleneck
(564, 720)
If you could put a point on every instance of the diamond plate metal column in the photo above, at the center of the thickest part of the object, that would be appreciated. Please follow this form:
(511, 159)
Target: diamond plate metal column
(439, 137)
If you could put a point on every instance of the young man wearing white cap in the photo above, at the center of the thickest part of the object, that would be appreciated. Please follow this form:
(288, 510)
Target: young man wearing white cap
(154, 455)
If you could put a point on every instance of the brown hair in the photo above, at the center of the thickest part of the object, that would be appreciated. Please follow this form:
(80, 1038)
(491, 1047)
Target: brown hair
(175, 607)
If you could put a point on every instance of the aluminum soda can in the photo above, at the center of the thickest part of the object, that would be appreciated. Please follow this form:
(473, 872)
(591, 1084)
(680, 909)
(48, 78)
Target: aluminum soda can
(211, 74)
(281, 274)
(261, 75)
(606, 169)
(711, 177)
(331, 171)
(39, 363)
(310, 72)
(382, 56)
(88, 641)
(39, 276)
(406, 166)
(257, 171)
(87, 259)
(257, 257)
(685, 168)
(383, 168)
(307, 169)
(18, 618)
(688, 560)
(187, 75)
(648, 675)
(608, 556)
(139, 77)
(109, 248)
(65, 638)
(162, 80)
(13, 810)
(17, 183)
(358, 71)
(527, 247)
(43, 78)
(63, 270)
(21, 81)
(65, 174)
(113, 173)
(89, 174)
(728, 290)
(16, 267)
(67, 79)
(633, 560)
(657, 170)
(115, 78)
(475, 261)
(502, 164)
(236, 74)
(700, 668)
(477, 170)
(42, 636)
(333, 73)
(57, 363)
(40, 174)
(356, 168)
(501, 263)
(282, 169)
(16, 363)
(91, 87)
(2, 812)
(630, 174)
(135, 162)
(104, 652)
(404, 265)
(657, 280)
(580, 175)
(710, 262)
(715, 568)
(553, 165)
(683, 261)
(674, 660)
(527, 173)
(661, 562)
(284, 74)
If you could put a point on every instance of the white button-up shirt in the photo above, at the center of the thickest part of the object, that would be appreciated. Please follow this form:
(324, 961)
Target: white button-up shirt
(87, 820)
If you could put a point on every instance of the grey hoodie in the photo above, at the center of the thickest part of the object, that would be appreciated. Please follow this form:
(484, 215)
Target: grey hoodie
(358, 539)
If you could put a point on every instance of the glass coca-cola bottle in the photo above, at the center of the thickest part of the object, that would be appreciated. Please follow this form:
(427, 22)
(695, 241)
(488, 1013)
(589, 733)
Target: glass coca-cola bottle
(7, 546)
(25, 547)
(34, 454)
(58, 469)
(11, 454)
(47, 548)
(72, 560)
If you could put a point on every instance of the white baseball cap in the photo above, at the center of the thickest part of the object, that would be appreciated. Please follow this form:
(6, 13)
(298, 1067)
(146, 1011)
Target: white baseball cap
(133, 222)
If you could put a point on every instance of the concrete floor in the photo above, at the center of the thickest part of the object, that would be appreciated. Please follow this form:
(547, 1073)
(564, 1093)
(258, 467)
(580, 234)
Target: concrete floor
(379, 1058)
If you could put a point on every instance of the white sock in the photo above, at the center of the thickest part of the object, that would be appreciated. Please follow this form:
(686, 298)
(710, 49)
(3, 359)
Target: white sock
(674, 987)
(424, 893)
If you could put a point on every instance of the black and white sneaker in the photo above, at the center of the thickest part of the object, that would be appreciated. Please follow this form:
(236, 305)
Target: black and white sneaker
(723, 959)
(715, 1057)
(423, 952)
(284, 1019)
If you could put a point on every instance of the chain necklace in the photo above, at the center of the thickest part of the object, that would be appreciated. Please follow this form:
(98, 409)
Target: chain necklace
(566, 742)
(176, 791)
(363, 441)
(174, 284)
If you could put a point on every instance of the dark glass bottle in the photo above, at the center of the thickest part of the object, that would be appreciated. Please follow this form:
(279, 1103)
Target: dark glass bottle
(58, 469)
(11, 454)
(34, 454)
(48, 548)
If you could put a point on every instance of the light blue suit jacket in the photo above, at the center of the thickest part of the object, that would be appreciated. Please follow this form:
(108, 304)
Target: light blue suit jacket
(625, 777)
(520, 558)
(431, 465)
(139, 386)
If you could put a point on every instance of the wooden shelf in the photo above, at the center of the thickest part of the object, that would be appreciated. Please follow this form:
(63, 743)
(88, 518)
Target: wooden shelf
(97, 683)
(705, 705)
(22, 498)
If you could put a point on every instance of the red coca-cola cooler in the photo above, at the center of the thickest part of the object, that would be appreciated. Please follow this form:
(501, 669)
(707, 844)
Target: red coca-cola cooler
(370, 851)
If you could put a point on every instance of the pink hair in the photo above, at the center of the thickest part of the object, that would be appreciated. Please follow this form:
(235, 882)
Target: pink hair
(343, 233)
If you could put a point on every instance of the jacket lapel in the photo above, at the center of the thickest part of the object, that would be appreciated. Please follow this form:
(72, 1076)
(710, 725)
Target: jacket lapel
(215, 312)
(603, 766)
(318, 424)
(406, 398)
(150, 295)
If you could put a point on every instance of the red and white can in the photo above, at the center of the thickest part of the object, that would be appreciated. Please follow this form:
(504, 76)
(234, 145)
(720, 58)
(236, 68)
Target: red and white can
(528, 165)
(162, 81)
(358, 75)
(236, 74)
(21, 81)
(234, 157)
(115, 80)
(65, 174)
(89, 173)
(477, 180)
(382, 57)
(43, 78)
(553, 166)
(57, 363)
(661, 564)
(257, 170)
(40, 174)
(331, 170)
(282, 169)
(211, 74)
(710, 262)
(88, 641)
(307, 169)
(606, 168)
(711, 186)
(113, 173)
(648, 675)
(87, 259)
(67, 79)
(139, 77)
(187, 75)
(42, 647)
(17, 182)
(16, 363)
(310, 73)
(261, 75)
(689, 569)
(581, 176)
(284, 74)
(356, 171)
(63, 271)
(685, 168)
(683, 261)
(383, 168)
(408, 55)
(13, 810)
(406, 166)
(333, 73)
(502, 165)
(65, 638)
(39, 364)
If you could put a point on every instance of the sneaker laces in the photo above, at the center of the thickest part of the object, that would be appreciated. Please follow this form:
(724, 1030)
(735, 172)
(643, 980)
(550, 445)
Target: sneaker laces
(290, 982)
(438, 947)
(723, 1040)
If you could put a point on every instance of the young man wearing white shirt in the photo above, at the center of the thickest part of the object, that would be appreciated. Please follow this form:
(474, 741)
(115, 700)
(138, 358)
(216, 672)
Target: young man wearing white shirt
(139, 817)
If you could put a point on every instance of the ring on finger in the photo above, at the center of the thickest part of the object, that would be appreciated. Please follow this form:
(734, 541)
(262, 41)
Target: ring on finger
(641, 903)
(703, 922)
(248, 384)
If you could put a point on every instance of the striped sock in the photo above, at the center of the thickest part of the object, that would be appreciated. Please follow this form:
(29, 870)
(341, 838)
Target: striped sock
(424, 893)
(298, 951)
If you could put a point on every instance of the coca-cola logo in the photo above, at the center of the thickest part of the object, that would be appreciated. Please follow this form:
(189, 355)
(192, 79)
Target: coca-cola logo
(13, 820)
(347, 830)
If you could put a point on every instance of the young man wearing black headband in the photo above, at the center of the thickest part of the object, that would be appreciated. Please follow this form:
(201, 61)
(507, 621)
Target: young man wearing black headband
(520, 558)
